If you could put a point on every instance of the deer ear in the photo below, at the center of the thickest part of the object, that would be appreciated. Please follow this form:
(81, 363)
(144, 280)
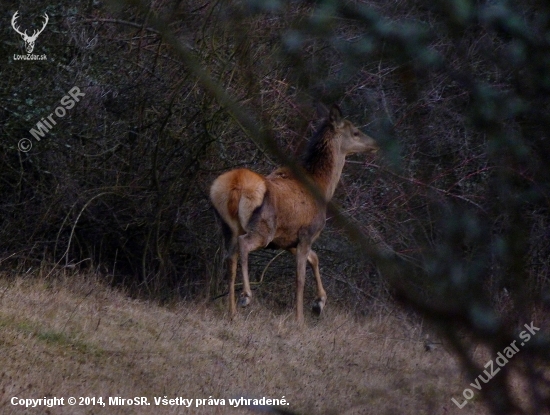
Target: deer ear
(335, 116)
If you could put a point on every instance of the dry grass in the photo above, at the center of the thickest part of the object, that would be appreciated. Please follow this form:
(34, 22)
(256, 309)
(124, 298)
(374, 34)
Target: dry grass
(75, 337)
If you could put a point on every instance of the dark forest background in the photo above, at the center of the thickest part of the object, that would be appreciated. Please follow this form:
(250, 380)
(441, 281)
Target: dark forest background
(450, 219)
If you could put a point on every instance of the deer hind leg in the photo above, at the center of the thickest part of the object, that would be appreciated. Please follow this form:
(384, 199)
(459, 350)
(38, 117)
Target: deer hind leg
(232, 254)
(232, 268)
(248, 243)
(301, 258)
(321, 299)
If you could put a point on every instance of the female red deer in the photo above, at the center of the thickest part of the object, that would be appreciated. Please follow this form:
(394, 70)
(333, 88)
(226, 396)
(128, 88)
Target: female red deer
(280, 211)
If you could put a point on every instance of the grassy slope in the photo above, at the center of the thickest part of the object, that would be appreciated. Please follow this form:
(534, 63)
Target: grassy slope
(79, 338)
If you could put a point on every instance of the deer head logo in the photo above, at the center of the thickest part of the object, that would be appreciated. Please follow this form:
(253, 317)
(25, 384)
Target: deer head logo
(29, 40)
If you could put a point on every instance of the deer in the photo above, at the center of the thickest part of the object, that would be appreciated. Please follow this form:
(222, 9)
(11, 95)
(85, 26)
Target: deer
(282, 211)
(29, 40)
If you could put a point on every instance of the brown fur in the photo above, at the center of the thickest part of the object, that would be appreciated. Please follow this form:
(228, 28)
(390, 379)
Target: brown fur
(279, 211)
(235, 194)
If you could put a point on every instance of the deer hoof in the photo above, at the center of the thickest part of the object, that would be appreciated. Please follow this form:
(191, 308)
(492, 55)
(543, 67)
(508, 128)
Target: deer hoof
(318, 306)
(244, 301)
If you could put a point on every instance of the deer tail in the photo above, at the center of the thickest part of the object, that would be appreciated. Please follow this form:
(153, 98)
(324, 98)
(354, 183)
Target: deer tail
(235, 195)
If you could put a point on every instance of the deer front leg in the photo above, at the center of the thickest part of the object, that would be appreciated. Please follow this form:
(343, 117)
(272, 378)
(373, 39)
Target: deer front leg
(321, 299)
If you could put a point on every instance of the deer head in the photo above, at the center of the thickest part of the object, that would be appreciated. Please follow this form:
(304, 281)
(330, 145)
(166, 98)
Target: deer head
(29, 40)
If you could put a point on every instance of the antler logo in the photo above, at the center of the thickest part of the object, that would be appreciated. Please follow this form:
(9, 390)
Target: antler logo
(29, 40)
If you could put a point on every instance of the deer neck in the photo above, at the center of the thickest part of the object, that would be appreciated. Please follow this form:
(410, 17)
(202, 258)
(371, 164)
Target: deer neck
(327, 178)
(324, 161)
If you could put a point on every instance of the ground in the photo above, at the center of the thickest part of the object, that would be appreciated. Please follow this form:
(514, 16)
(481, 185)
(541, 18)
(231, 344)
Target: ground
(75, 337)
